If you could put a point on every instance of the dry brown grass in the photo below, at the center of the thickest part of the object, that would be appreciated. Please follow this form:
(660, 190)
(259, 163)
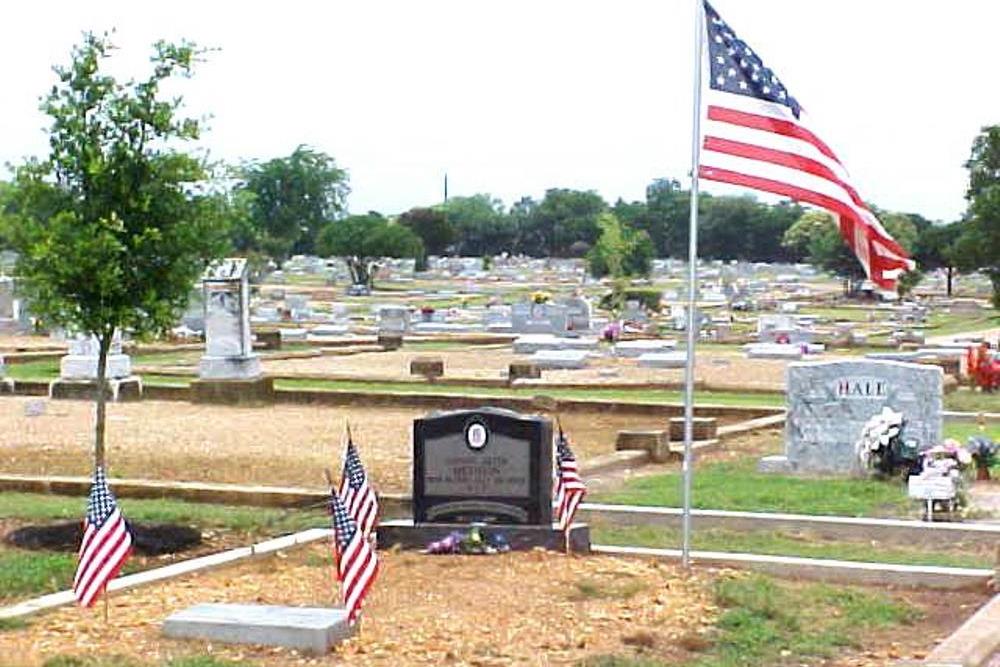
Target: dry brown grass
(424, 610)
(273, 445)
(720, 369)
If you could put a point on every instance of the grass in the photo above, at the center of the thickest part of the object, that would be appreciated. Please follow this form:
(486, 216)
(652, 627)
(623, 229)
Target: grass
(34, 572)
(764, 621)
(258, 521)
(623, 395)
(738, 486)
(779, 543)
(962, 430)
(967, 400)
(25, 572)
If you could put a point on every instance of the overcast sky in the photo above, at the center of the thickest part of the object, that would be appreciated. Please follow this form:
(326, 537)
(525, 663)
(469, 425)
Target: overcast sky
(515, 96)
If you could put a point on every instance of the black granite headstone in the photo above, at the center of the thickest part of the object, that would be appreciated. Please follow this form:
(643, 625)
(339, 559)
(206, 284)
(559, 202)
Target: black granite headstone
(487, 465)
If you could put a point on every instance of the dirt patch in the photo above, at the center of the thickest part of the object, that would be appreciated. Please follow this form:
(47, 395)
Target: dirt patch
(424, 610)
(148, 539)
(273, 445)
(941, 613)
(722, 370)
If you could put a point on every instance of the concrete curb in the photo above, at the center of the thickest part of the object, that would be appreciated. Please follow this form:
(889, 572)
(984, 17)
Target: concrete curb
(821, 569)
(202, 564)
(975, 640)
(899, 531)
(397, 505)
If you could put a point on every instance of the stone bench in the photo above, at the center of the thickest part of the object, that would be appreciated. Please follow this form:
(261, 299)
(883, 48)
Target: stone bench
(657, 443)
(430, 368)
(702, 428)
(523, 370)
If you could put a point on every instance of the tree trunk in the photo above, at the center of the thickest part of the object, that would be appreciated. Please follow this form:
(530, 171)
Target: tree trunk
(950, 269)
(101, 398)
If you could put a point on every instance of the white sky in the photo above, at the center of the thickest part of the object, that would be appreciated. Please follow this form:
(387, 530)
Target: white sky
(515, 96)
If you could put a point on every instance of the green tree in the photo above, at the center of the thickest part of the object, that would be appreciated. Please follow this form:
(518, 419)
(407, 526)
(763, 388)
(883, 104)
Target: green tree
(978, 247)
(111, 229)
(562, 218)
(935, 249)
(432, 226)
(482, 226)
(292, 199)
(364, 240)
(620, 251)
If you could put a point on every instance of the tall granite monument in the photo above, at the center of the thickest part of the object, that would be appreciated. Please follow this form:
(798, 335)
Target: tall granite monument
(830, 401)
(229, 371)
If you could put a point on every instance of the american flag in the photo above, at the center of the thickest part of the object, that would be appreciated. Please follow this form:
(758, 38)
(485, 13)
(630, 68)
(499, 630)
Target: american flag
(569, 487)
(357, 562)
(356, 493)
(756, 136)
(106, 544)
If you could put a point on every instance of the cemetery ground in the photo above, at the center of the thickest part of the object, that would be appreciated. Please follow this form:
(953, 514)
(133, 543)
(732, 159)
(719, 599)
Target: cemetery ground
(596, 611)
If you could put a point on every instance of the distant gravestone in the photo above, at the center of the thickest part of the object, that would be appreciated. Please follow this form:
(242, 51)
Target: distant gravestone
(229, 371)
(393, 320)
(487, 466)
(8, 322)
(228, 346)
(830, 401)
(78, 371)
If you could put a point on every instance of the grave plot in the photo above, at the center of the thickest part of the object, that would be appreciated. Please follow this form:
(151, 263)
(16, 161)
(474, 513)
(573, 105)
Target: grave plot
(274, 445)
(433, 610)
(720, 369)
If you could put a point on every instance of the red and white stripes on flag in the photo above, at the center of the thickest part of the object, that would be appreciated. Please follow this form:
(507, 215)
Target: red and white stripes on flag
(756, 136)
(357, 562)
(356, 493)
(106, 545)
(569, 488)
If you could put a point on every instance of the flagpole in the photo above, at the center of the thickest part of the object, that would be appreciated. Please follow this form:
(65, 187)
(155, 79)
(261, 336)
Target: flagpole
(692, 320)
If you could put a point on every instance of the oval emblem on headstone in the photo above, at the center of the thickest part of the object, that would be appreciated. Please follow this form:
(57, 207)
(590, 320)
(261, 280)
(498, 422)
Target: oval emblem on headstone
(476, 435)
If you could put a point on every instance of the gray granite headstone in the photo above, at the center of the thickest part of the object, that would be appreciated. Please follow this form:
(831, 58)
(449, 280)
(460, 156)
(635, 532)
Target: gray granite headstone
(309, 629)
(228, 346)
(830, 401)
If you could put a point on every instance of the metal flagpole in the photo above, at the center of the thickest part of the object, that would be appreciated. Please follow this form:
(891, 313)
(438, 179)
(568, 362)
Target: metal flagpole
(692, 319)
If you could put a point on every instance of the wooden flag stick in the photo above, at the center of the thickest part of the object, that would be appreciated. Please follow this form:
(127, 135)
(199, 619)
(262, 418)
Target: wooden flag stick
(348, 423)
(105, 596)
(566, 539)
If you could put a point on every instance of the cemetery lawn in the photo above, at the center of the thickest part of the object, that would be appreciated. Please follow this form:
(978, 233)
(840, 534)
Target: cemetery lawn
(782, 543)
(588, 611)
(736, 485)
(27, 573)
(597, 394)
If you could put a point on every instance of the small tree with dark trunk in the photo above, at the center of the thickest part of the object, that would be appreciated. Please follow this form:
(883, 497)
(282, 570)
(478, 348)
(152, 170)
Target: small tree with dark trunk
(116, 225)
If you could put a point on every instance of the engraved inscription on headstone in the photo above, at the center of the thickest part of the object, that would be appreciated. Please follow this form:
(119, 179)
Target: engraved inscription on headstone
(482, 465)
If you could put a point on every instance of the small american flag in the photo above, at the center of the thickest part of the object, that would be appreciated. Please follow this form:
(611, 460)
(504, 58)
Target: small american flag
(357, 562)
(569, 487)
(356, 493)
(106, 544)
(756, 136)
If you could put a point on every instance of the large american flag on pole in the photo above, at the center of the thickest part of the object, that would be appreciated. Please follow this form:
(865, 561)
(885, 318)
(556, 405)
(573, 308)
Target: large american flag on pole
(757, 136)
(569, 487)
(356, 493)
(357, 562)
(106, 543)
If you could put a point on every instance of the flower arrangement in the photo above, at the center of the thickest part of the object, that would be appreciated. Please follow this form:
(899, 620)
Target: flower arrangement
(985, 453)
(540, 297)
(881, 446)
(950, 460)
(473, 542)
